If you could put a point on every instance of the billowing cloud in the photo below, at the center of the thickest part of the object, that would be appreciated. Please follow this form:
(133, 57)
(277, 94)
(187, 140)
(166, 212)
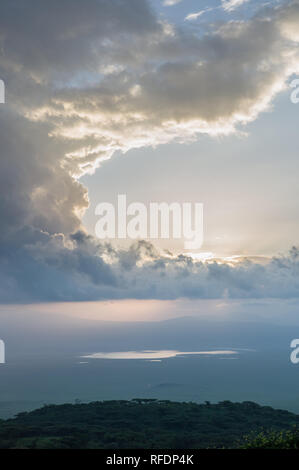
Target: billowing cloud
(45, 268)
(167, 85)
(85, 79)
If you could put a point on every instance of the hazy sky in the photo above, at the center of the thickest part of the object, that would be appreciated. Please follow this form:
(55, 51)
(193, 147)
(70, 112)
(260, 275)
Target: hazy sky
(164, 101)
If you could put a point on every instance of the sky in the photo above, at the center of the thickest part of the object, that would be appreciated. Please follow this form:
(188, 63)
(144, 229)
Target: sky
(163, 101)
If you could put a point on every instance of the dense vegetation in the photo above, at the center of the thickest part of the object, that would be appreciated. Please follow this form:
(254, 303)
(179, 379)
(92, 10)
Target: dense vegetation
(288, 439)
(149, 424)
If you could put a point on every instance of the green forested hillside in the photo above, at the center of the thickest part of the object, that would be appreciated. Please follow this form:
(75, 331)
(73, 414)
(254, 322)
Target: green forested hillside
(143, 424)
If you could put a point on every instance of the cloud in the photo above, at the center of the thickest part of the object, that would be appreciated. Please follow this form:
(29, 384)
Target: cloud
(230, 5)
(169, 85)
(166, 277)
(170, 3)
(69, 34)
(195, 16)
(227, 5)
(110, 76)
(49, 270)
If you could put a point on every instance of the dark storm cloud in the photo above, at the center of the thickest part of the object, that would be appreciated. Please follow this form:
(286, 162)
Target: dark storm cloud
(45, 37)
